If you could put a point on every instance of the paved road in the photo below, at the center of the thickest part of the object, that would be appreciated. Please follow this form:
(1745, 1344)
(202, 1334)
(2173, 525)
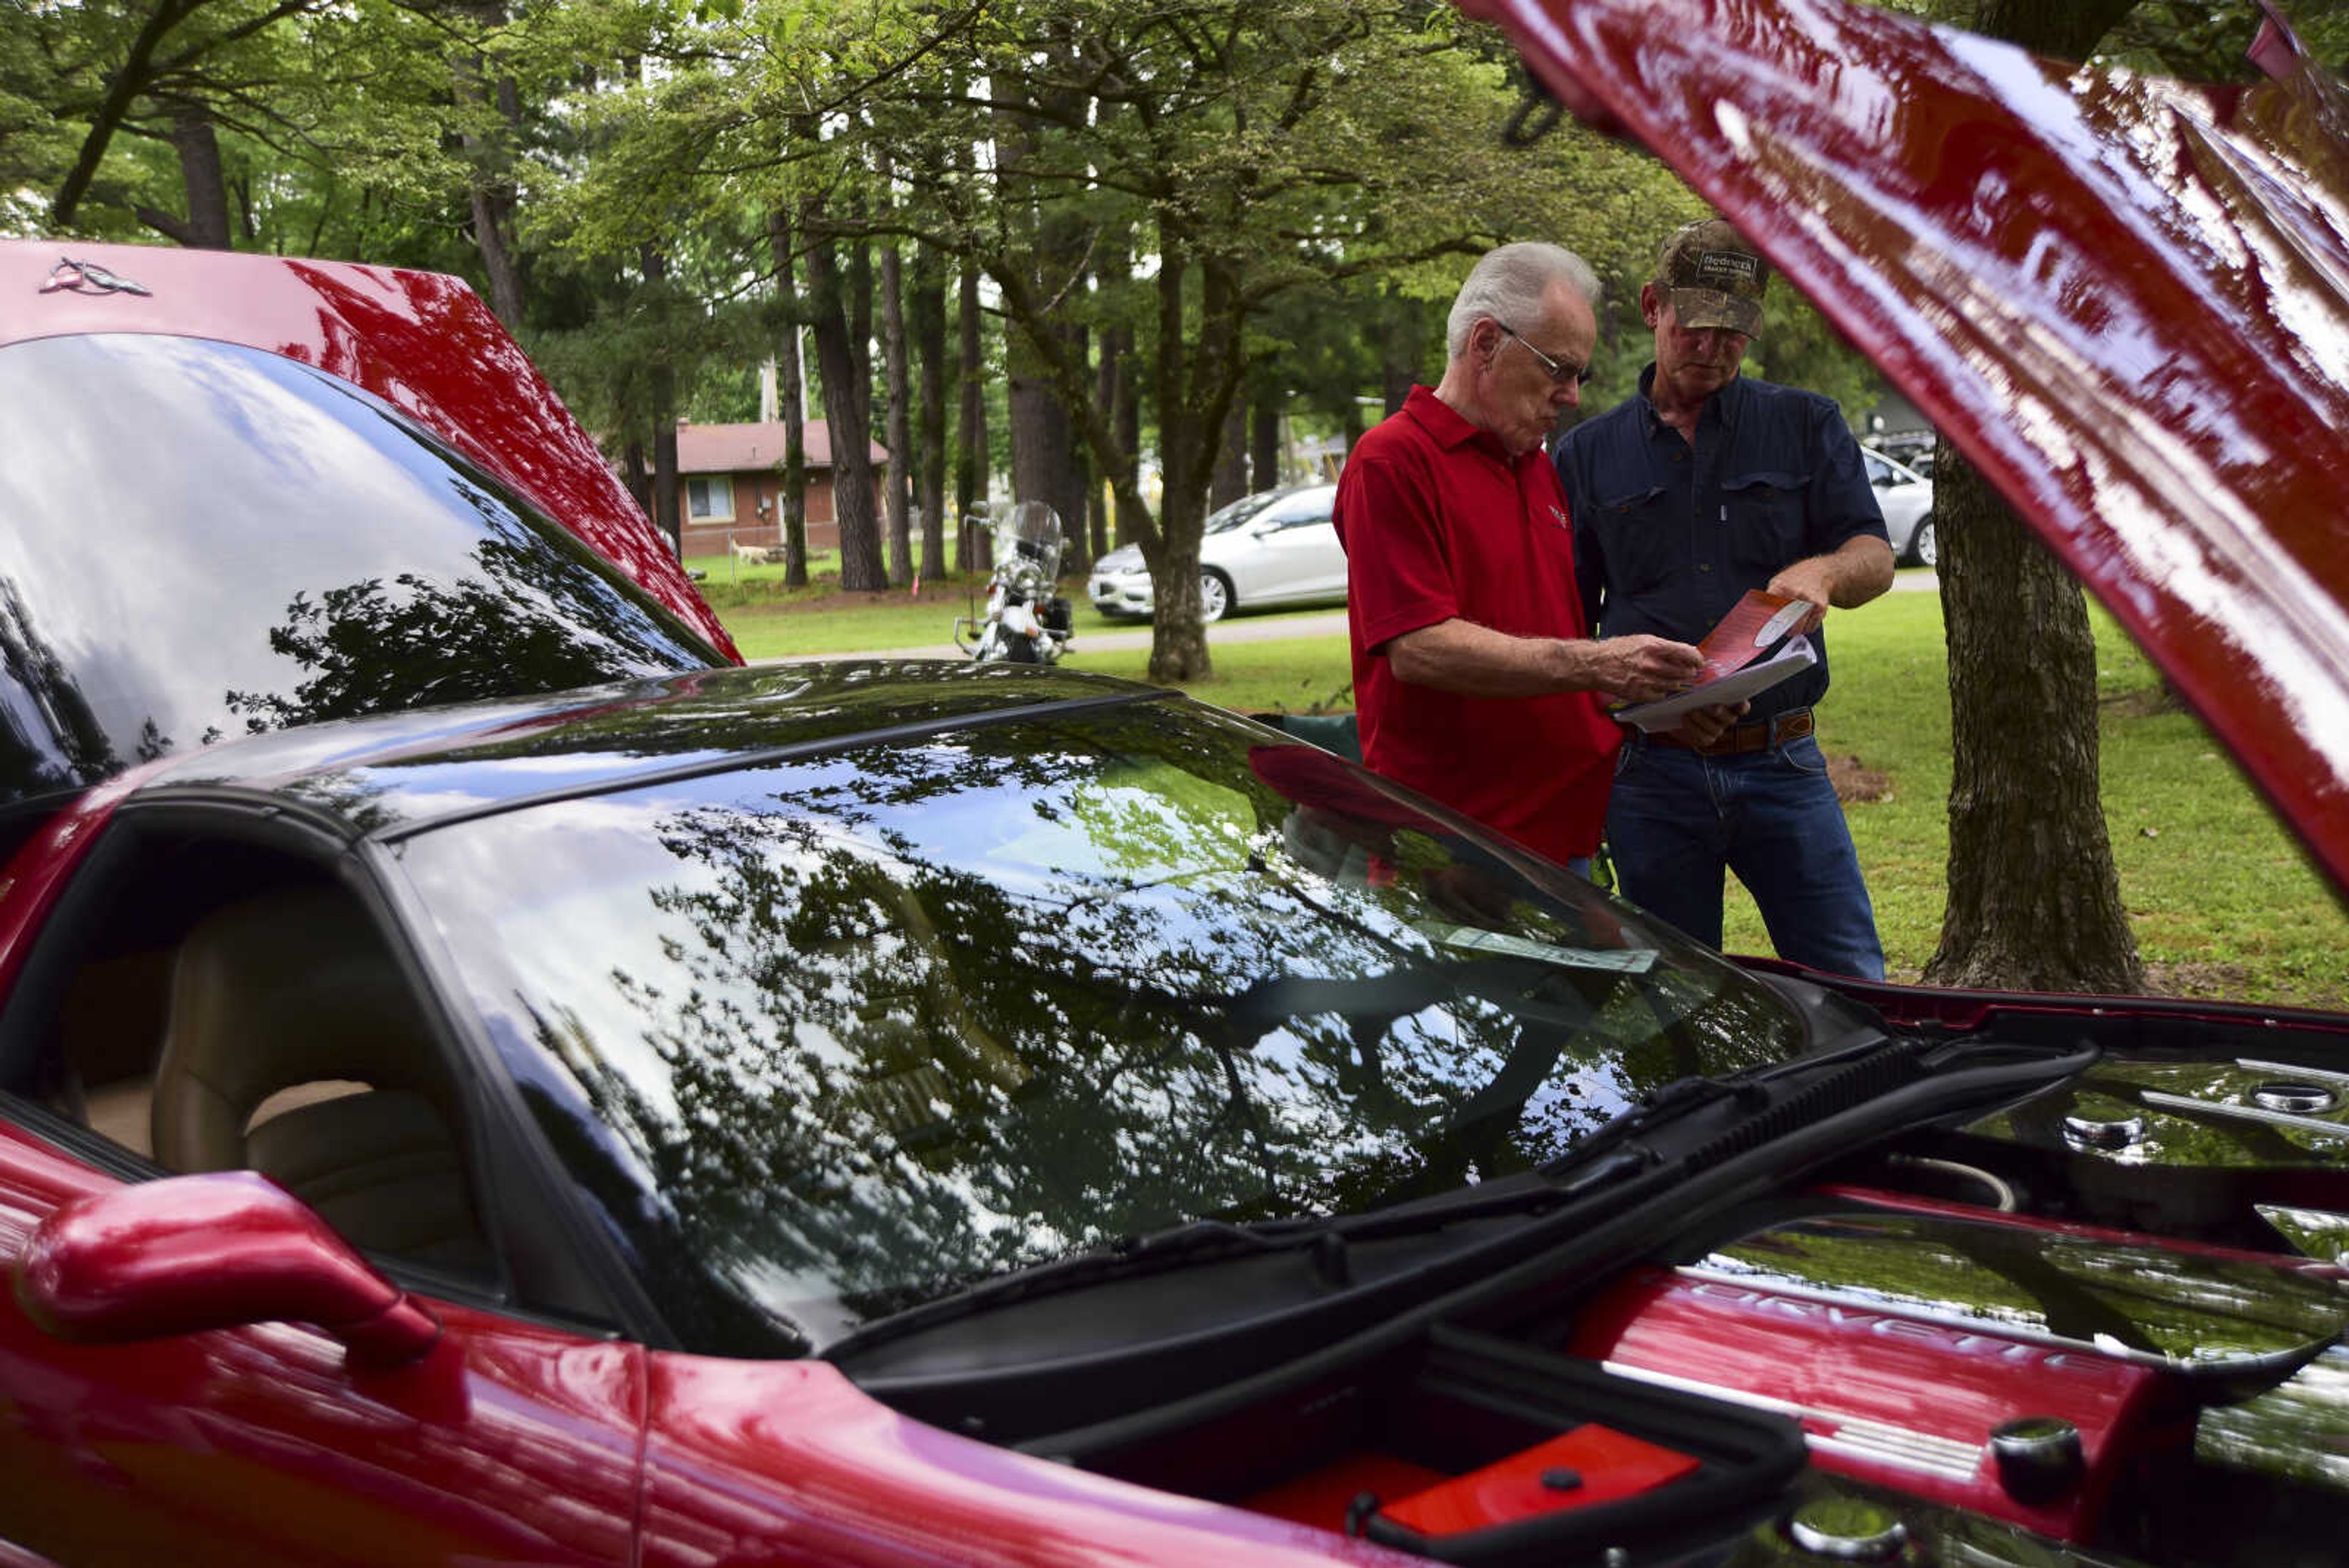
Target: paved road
(1245, 628)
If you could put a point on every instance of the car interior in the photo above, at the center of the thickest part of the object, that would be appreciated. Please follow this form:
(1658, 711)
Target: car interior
(202, 1006)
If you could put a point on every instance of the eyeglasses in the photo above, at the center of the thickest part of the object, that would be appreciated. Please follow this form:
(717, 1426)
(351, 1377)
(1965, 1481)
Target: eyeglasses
(1562, 375)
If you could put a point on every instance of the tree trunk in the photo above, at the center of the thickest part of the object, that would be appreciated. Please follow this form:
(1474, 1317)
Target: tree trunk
(1231, 480)
(1399, 352)
(899, 476)
(861, 566)
(124, 84)
(199, 167)
(1118, 396)
(2034, 902)
(930, 349)
(860, 316)
(492, 191)
(1188, 455)
(970, 427)
(971, 546)
(1106, 378)
(1264, 445)
(672, 526)
(1078, 485)
(639, 478)
(1125, 422)
(492, 227)
(791, 396)
(1047, 463)
(206, 226)
(662, 382)
(1051, 257)
(1042, 455)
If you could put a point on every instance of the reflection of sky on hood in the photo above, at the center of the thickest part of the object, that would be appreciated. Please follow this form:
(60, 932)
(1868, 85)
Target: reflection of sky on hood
(153, 463)
(204, 505)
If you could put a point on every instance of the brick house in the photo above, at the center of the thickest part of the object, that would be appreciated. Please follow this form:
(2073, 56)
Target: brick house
(730, 481)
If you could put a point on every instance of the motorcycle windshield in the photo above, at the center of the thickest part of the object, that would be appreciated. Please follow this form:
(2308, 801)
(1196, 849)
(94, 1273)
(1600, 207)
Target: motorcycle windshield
(1031, 532)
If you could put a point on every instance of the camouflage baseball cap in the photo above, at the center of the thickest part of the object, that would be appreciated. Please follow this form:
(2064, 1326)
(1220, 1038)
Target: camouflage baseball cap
(1712, 277)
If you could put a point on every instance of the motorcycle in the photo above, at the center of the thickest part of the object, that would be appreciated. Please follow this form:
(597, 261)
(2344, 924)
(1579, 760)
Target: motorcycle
(1026, 621)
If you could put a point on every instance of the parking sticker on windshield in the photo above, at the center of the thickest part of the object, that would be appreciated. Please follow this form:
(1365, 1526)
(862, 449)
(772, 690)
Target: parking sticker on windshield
(1472, 939)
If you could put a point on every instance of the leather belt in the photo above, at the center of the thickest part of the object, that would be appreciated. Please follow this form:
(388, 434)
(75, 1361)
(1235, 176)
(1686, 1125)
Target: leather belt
(1760, 735)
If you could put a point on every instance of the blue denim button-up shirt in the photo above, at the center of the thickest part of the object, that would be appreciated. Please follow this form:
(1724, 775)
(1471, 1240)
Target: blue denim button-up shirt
(1668, 535)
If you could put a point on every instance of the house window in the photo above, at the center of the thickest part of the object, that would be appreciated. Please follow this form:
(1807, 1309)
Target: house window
(710, 499)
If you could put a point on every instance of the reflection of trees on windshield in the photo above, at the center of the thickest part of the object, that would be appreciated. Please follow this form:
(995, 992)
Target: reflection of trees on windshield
(539, 617)
(61, 745)
(50, 736)
(926, 1013)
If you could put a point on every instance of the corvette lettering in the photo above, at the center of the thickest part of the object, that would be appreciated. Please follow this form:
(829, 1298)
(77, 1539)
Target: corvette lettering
(1885, 1325)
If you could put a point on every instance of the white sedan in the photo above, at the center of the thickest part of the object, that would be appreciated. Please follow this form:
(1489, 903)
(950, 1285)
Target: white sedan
(1283, 551)
(1906, 498)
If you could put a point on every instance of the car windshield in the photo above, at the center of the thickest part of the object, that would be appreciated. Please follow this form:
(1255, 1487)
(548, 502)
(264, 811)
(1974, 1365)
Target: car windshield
(1311, 504)
(829, 1038)
(199, 540)
(1233, 514)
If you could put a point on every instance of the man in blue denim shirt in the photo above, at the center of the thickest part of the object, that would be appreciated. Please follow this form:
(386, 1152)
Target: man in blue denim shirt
(1704, 486)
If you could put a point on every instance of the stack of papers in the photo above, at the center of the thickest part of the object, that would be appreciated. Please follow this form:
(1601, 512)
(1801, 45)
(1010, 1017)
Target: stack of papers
(1732, 673)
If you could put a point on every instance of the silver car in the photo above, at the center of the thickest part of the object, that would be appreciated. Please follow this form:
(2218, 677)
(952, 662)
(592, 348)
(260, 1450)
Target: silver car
(1282, 550)
(1907, 497)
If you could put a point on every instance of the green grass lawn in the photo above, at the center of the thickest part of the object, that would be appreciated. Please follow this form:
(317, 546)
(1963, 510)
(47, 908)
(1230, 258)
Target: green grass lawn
(769, 620)
(2220, 897)
(2222, 900)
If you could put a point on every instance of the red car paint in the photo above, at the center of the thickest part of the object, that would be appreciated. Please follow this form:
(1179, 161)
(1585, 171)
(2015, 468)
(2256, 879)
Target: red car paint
(422, 342)
(1885, 1398)
(788, 1463)
(37, 872)
(217, 1251)
(2057, 268)
(266, 1446)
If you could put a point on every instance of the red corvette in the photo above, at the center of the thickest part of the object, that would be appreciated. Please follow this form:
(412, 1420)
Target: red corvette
(482, 1080)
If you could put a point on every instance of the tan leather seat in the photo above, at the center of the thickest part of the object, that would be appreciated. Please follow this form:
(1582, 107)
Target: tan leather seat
(295, 988)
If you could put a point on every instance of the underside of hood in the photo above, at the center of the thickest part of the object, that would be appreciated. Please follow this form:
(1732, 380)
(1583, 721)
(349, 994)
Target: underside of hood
(2126, 300)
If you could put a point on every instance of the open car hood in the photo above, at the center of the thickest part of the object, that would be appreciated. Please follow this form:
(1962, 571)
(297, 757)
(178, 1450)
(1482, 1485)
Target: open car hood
(243, 493)
(421, 341)
(2125, 299)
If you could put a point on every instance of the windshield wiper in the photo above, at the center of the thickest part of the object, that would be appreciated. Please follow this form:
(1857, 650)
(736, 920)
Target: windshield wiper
(1677, 1132)
(1191, 1241)
(1532, 1193)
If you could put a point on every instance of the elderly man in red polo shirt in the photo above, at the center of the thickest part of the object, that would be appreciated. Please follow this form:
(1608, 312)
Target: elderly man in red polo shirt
(1475, 679)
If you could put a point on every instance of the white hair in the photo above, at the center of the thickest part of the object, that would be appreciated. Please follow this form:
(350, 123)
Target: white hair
(1510, 284)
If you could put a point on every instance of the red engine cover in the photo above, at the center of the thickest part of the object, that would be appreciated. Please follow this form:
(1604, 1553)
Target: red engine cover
(1900, 1401)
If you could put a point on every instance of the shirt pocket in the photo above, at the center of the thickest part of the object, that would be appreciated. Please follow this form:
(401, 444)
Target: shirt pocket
(1766, 525)
(1636, 534)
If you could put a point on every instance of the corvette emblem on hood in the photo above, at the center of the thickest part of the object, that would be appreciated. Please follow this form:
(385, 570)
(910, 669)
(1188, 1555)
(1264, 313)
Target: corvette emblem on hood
(88, 277)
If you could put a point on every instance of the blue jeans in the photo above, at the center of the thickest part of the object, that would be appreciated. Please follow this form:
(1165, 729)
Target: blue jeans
(1678, 818)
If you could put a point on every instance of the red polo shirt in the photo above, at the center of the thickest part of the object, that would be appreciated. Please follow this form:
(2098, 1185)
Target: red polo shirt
(1439, 522)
